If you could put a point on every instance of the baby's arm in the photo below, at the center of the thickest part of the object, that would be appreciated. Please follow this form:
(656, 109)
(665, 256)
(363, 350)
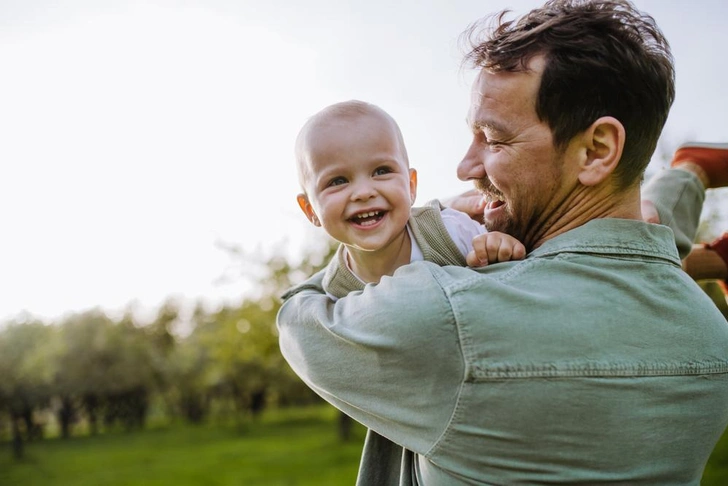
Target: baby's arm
(495, 247)
(674, 198)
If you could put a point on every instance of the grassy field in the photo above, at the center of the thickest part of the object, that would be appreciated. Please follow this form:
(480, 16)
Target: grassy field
(716, 472)
(291, 448)
(297, 447)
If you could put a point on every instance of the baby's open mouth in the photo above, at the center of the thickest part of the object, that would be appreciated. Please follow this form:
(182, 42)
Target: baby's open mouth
(367, 219)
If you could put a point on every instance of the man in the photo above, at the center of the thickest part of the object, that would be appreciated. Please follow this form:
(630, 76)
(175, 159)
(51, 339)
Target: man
(594, 360)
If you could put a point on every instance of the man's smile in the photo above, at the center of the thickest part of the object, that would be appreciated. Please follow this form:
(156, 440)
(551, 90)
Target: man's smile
(492, 196)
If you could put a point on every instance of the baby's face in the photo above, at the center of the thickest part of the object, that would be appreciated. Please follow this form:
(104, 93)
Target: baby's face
(358, 185)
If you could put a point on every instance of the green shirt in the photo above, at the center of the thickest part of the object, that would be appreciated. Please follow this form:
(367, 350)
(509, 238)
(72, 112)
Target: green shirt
(594, 360)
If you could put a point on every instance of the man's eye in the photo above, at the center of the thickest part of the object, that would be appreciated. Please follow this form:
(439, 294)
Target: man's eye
(382, 171)
(336, 181)
(488, 141)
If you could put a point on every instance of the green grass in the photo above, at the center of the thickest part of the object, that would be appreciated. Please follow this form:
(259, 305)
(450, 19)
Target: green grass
(291, 448)
(298, 447)
(716, 472)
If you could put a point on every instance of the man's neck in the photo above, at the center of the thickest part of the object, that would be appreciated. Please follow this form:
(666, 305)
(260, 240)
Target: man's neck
(370, 266)
(584, 205)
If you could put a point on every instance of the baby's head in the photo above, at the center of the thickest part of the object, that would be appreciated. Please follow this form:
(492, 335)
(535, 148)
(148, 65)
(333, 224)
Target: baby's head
(354, 172)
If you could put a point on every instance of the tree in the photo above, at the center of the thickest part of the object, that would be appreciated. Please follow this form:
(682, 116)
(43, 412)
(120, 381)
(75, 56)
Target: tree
(188, 371)
(25, 386)
(104, 368)
(249, 343)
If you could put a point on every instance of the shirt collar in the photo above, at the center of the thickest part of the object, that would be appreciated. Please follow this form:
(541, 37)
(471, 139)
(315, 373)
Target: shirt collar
(613, 236)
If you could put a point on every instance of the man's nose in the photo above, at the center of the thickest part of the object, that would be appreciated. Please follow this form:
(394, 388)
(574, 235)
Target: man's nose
(471, 167)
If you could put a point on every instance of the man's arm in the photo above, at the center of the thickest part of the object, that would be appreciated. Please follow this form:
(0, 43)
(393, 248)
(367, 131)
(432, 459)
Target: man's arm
(388, 356)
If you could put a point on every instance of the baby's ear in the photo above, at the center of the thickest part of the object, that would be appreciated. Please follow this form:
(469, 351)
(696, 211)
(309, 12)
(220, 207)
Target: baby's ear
(413, 185)
(307, 209)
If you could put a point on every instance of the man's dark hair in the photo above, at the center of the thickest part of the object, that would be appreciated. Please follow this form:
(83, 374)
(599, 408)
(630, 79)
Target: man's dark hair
(603, 58)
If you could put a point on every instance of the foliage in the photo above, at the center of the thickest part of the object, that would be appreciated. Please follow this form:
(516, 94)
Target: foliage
(26, 379)
(102, 365)
(715, 292)
(96, 371)
(716, 472)
(26, 374)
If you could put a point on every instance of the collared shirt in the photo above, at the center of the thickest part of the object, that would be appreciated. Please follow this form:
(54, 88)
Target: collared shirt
(595, 359)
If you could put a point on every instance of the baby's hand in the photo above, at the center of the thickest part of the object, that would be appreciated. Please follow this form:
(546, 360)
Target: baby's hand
(495, 247)
(649, 212)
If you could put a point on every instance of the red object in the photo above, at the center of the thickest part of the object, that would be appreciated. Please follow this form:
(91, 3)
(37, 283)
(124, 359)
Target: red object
(720, 246)
(711, 157)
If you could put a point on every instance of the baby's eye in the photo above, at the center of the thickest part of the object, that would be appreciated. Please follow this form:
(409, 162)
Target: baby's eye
(337, 181)
(382, 171)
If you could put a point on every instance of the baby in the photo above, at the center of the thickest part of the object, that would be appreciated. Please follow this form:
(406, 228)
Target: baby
(354, 171)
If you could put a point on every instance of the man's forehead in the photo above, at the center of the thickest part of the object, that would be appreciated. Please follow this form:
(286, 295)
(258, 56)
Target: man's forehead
(488, 79)
(503, 92)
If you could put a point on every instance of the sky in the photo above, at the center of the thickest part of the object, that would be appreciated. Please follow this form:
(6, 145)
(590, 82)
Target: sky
(136, 135)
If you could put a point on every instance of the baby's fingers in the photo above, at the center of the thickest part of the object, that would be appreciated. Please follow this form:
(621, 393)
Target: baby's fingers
(473, 260)
(485, 250)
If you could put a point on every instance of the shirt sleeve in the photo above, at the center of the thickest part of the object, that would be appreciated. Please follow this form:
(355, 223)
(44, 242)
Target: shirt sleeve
(461, 228)
(388, 356)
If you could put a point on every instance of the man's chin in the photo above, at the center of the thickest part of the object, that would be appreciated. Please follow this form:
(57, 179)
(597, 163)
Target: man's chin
(503, 223)
(494, 225)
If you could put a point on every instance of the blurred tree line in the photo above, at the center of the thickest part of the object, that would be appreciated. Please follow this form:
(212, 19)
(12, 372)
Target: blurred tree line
(107, 372)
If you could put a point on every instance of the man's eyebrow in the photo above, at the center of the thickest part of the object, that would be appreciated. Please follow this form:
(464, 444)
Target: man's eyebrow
(490, 125)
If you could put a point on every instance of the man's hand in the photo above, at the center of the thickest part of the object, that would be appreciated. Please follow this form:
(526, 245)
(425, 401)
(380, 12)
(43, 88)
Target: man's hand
(495, 247)
(470, 203)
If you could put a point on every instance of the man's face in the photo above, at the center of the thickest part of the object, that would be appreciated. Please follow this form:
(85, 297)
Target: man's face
(358, 186)
(511, 159)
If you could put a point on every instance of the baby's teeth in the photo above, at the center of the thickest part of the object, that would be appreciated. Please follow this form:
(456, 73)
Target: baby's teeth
(366, 215)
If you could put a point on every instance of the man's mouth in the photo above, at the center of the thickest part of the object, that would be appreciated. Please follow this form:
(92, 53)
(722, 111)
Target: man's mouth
(367, 218)
(492, 196)
(493, 201)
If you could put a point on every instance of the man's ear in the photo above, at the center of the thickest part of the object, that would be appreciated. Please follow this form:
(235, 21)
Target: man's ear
(307, 209)
(413, 185)
(604, 143)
